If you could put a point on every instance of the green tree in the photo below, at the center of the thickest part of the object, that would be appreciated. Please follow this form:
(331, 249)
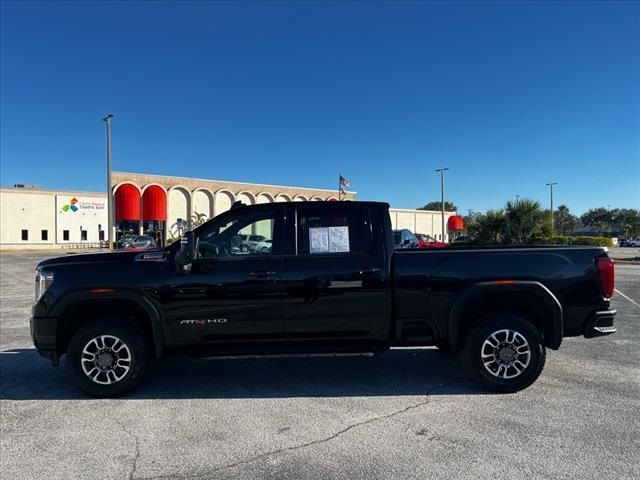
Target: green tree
(627, 221)
(437, 206)
(564, 221)
(526, 222)
(489, 228)
(599, 219)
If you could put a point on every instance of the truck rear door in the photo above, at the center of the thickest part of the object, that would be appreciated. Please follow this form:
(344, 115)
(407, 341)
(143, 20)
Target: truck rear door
(335, 278)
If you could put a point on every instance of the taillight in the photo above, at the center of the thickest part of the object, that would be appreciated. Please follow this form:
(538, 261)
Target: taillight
(606, 274)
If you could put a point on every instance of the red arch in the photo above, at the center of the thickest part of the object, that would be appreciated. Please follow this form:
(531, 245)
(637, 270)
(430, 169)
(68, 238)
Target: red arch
(455, 223)
(127, 200)
(154, 203)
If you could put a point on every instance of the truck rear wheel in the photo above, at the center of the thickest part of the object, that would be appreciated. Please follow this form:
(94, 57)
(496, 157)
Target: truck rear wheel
(503, 352)
(107, 358)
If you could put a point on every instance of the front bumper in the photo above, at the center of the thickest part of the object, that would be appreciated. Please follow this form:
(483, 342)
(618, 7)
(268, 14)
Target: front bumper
(600, 324)
(44, 336)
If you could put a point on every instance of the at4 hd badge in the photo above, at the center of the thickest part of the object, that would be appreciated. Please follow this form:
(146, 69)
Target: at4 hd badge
(203, 321)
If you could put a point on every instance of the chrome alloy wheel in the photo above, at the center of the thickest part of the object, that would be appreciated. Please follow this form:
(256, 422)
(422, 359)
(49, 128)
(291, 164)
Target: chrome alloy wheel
(106, 359)
(505, 354)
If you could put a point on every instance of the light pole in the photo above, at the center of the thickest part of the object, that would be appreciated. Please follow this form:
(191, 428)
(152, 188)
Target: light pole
(110, 222)
(550, 185)
(442, 170)
(517, 198)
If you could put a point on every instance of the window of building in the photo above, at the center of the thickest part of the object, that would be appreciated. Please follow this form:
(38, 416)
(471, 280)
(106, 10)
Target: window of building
(338, 231)
(83, 235)
(25, 235)
(101, 235)
(44, 235)
(65, 235)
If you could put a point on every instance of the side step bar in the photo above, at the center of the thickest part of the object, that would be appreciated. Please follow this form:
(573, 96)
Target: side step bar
(285, 355)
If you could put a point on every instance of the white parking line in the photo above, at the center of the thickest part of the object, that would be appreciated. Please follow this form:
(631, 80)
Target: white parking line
(628, 298)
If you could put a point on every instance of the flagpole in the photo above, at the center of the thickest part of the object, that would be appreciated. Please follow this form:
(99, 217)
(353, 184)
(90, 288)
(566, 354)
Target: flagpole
(339, 187)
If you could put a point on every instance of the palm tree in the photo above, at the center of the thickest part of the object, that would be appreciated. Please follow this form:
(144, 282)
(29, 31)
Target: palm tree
(564, 220)
(489, 228)
(525, 222)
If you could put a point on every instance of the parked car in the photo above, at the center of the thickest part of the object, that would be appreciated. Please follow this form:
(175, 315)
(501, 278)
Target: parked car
(332, 285)
(633, 242)
(127, 238)
(264, 246)
(139, 242)
(427, 241)
(462, 240)
(248, 243)
(404, 239)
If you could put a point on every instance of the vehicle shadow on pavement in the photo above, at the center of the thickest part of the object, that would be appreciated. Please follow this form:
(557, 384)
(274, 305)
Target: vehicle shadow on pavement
(27, 376)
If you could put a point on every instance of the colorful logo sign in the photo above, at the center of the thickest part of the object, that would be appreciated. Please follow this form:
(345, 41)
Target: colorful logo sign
(73, 206)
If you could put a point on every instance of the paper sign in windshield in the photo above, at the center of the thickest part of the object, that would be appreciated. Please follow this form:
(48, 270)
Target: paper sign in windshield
(329, 239)
(338, 239)
(319, 240)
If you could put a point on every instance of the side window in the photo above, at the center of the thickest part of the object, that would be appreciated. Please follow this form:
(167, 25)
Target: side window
(241, 235)
(335, 231)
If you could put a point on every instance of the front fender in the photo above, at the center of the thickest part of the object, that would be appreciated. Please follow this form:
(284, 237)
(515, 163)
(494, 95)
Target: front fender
(115, 295)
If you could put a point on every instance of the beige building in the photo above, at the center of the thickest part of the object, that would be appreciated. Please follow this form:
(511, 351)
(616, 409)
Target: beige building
(48, 219)
(420, 221)
(161, 206)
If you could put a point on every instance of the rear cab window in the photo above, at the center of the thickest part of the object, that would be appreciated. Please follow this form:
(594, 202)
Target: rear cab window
(334, 231)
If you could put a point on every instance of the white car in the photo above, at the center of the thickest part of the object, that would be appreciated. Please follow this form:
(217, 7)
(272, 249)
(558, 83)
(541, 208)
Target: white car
(263, 247)
(633, 242)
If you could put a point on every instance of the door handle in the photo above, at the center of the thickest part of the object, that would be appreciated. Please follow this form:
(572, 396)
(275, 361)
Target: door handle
(263, 274)
(364, 270)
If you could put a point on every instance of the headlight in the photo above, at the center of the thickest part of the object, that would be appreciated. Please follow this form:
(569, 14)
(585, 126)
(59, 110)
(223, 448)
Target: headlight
(43, 281)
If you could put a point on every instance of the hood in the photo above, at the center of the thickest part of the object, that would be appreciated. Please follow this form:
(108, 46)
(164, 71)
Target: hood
(121, 256)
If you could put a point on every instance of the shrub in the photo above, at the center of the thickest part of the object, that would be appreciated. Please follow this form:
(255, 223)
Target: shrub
(583, 241)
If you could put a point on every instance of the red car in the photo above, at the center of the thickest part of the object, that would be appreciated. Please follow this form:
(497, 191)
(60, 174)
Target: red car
(426, 241)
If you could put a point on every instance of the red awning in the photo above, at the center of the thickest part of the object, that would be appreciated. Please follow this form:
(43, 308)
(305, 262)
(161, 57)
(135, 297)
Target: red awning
(154, 204)
(127, 203)
(455, 223)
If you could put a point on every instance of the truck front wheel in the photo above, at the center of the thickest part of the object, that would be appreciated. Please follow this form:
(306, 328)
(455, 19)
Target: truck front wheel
(107, 358)
(503, 352)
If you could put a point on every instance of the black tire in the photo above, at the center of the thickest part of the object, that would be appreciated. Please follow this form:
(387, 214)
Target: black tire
(131, 337)
(474, 342)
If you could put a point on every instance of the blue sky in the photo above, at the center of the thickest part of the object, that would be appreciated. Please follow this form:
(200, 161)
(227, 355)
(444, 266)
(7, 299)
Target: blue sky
(508, 95)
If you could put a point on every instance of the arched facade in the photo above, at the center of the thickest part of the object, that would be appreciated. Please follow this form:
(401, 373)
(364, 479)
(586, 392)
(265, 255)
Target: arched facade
(222, 201)
(283, 197)
(202, 204)
(246, 198)
(166, 206)
(154, 203)
(127, 203)
(178, 212)
(264, 197)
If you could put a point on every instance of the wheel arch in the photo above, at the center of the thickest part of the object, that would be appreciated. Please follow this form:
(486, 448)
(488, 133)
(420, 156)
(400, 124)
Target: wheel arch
(121, 303)
(516, 296)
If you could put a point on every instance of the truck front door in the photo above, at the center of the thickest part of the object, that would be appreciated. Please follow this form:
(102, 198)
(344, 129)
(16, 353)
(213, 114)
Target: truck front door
(234, 291)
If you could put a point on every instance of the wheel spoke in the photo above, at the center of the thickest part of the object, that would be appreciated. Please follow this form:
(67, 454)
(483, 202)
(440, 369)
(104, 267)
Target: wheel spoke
(495, 342)
(107, 370)
(505, 353)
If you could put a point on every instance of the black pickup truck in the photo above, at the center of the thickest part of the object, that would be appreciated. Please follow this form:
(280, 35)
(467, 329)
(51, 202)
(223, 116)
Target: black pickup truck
(318, 279)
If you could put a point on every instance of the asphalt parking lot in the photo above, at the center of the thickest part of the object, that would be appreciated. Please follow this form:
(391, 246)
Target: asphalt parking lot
(406, 414)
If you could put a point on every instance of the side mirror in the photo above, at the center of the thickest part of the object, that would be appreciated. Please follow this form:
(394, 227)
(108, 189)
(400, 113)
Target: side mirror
(185, 255)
